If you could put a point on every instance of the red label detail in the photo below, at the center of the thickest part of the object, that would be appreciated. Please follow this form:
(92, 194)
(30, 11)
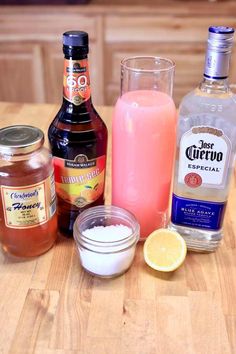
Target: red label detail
(193, 180)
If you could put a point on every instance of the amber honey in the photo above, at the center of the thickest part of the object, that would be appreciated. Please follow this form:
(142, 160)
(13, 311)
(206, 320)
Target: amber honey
(28, 221)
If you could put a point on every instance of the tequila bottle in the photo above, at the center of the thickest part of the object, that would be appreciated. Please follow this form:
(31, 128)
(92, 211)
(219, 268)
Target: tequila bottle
(206, 145)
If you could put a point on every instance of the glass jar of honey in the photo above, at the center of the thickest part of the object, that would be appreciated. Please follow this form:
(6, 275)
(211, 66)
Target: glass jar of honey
(28, 220)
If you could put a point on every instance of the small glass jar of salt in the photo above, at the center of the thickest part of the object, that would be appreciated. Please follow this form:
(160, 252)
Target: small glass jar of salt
(106, 238)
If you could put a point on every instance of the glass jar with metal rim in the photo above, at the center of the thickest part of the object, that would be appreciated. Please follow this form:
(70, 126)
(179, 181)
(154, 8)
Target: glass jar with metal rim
(106, 238)
(28, 221)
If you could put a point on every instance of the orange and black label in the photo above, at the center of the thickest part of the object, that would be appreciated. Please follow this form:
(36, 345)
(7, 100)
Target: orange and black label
(80, 181)
(76, 82)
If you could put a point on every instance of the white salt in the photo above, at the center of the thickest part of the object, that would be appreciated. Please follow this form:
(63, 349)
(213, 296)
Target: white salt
(110, 260)
(108, 233)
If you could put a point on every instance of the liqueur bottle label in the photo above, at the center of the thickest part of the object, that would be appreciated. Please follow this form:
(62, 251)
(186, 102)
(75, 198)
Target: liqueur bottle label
(76, 82)
(197, 213)
(80, 181)
(204, 157)
(29, 206)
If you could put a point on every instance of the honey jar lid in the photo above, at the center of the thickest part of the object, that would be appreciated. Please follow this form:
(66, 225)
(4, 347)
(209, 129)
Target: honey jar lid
(20, 139)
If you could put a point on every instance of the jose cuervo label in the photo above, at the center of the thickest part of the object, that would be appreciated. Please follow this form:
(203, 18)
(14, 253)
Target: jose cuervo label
(204, 157)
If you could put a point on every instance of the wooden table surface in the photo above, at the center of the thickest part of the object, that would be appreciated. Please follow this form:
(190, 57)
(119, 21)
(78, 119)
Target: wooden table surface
(50, 305)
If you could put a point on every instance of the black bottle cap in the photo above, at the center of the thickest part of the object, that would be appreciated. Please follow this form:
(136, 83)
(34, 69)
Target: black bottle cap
(75, 39)
(75, 43)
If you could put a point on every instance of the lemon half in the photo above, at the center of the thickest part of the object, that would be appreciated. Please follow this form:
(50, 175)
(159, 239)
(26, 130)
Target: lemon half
(164, 250)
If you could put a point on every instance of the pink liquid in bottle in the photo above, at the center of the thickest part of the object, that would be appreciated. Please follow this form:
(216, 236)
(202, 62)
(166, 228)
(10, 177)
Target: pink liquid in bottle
(143, 133)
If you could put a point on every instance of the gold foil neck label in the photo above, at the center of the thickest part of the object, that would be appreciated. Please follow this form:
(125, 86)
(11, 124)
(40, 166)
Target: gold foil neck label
(208, 130)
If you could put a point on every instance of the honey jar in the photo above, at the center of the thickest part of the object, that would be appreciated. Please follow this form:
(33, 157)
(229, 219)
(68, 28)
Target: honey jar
(28, 220)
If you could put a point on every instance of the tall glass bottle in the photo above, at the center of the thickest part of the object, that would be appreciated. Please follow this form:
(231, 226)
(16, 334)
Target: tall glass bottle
(206, 145)
(78, 138)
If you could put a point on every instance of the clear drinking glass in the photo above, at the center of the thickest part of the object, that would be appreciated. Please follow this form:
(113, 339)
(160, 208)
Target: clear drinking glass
(143, 140)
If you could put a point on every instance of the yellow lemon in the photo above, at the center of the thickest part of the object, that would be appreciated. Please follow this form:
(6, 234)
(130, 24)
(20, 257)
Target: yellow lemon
(164, 250)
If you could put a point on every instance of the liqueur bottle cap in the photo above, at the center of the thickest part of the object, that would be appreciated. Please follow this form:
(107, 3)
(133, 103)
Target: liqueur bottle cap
(75, 38)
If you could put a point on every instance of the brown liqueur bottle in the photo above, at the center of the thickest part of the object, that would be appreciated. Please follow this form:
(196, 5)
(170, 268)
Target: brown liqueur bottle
(78, 138)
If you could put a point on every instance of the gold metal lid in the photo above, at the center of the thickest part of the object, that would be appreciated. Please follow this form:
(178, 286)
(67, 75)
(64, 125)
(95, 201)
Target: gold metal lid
(20, 139)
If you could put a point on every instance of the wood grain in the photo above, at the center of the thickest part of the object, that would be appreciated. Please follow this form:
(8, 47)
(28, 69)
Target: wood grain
(49, 305)
(31, 58)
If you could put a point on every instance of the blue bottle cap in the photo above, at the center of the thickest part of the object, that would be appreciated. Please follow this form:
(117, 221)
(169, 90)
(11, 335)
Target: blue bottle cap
(221, 29)
(220, 42)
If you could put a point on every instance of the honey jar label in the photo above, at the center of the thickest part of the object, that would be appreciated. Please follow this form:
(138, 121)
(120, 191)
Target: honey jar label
(29, 206)
(80, 181)
(76, 82)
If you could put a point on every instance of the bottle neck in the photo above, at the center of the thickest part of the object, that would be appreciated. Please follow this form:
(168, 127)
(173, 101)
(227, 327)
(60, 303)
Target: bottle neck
(217, 63)
(76, 84)
(214, 86)
(215, 78)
